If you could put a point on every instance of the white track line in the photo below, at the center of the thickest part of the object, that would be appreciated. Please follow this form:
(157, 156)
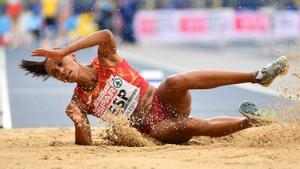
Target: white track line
(176, 68)
(6, 116)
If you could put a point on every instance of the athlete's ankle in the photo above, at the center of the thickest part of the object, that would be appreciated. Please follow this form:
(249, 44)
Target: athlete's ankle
(255, 78)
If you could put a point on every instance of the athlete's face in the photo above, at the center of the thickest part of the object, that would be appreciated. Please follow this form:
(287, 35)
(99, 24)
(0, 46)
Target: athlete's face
(66, 69)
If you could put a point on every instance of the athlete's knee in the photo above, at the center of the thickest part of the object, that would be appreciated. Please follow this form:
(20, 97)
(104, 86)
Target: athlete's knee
(175, 81)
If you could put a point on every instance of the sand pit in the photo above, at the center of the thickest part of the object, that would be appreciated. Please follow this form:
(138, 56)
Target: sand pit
(274, 146)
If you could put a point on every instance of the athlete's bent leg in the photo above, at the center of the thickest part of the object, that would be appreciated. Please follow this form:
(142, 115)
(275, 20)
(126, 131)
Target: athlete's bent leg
(181, 130)
(174, 91)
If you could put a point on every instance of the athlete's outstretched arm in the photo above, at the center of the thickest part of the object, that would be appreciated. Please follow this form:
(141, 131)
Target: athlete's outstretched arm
(82, 127)
(104, 39)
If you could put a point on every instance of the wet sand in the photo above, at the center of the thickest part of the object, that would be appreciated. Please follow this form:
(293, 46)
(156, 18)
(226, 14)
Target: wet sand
(274, 146)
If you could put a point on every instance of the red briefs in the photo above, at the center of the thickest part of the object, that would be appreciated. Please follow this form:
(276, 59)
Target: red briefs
(157, 114)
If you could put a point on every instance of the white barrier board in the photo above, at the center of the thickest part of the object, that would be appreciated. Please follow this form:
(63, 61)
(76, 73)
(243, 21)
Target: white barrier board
(4, 101)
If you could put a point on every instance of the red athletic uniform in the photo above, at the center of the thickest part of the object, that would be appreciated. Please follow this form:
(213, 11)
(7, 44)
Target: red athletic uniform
(120, 86)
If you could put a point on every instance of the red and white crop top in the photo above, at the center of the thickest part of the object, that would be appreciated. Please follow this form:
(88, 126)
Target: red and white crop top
(117, 86)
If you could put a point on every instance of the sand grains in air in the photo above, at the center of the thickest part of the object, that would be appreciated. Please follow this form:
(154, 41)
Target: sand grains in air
(120, 132)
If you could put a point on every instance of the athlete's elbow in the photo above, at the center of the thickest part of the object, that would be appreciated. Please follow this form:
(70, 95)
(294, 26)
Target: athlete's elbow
(71, 115)
(107, 33)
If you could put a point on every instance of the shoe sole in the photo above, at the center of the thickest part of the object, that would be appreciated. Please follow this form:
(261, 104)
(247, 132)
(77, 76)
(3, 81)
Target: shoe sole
(254, 120)
(284, 72)
(245, 113)
(286, 69)
(257, 121)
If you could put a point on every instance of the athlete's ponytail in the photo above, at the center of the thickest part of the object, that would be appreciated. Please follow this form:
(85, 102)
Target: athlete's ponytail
(37, 69)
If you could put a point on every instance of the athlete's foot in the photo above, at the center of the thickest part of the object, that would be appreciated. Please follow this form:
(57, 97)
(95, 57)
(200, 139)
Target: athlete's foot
(267, 74)
(255, 115)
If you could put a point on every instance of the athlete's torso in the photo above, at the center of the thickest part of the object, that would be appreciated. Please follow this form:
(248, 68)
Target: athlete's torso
(117, 86)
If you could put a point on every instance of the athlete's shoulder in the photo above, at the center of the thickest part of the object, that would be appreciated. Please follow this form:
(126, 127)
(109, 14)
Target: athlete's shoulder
(112, 61)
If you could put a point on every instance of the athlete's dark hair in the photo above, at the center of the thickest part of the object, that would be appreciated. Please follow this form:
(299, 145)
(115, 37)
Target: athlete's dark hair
(37, 69)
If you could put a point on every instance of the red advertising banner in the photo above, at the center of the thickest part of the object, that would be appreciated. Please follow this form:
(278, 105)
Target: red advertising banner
(146, 25)
(215, 25)
(250, 22)
(193, 24)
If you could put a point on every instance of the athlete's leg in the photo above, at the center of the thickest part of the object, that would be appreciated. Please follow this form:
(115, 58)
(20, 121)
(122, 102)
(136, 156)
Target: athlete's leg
(180, 130)
(173, 92)
(206, 79)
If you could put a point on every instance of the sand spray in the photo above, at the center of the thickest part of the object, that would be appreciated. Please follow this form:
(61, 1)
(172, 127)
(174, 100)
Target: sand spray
(120, 132)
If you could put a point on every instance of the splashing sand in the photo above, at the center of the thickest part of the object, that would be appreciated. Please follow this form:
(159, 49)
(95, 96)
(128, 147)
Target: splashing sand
(297, 75)
(120, 132)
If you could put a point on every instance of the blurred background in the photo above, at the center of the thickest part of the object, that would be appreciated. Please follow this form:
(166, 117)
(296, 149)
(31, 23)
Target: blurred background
(159, 38)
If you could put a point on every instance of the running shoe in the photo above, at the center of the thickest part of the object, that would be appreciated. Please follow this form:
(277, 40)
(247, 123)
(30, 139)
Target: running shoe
(257, 116)
(267, 74)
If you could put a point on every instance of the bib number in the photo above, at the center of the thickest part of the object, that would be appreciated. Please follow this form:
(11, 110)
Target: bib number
(117, 95)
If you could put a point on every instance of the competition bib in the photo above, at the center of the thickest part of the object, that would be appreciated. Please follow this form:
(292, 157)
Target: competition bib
(117, 93)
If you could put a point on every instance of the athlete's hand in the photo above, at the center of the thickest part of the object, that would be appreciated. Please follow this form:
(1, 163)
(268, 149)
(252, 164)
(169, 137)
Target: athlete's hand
(49, 53)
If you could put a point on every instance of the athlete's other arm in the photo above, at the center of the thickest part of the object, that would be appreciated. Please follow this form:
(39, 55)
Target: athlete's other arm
(104, 39)
(82, 127)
